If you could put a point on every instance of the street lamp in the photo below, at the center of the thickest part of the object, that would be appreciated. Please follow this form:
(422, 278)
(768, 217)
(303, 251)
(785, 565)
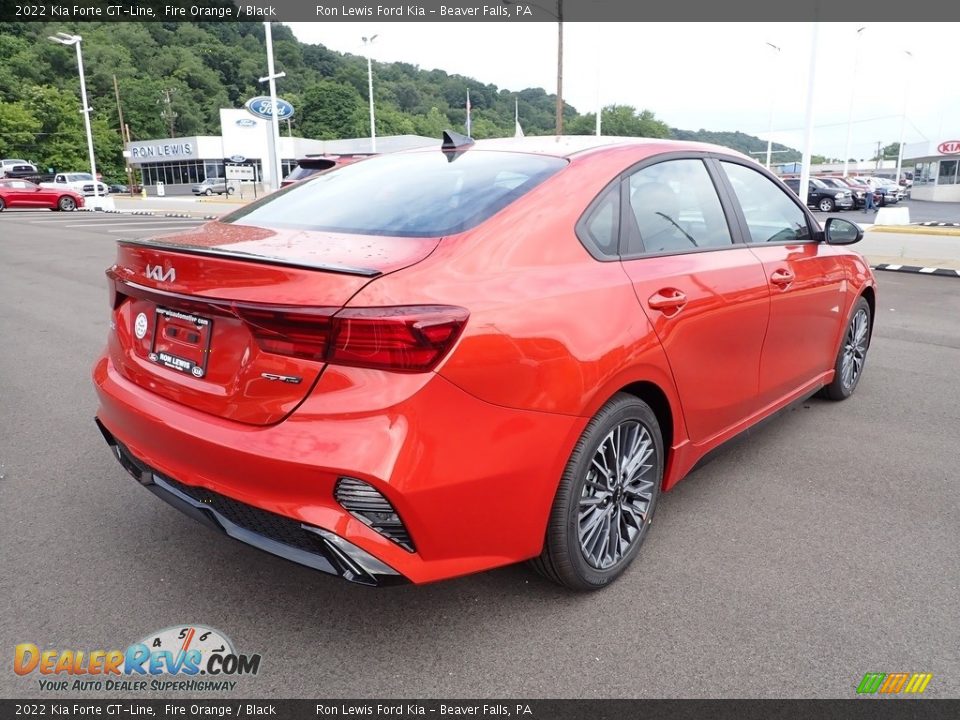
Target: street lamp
(367, 42)
(65, 39)
(903, 120)
(559, 16)
(772, 104)
(272, 77)
(853, 95)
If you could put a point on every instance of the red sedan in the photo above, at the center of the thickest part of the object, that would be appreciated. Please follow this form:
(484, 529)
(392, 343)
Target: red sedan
(25, 194)
(441, 361)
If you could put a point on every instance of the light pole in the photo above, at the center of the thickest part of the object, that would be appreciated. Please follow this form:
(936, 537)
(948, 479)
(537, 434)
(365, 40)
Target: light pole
(275, 161)
(367, 42)
(65, 39)
(773, 98)
(853, 95)
(808, 125)
(903, 119)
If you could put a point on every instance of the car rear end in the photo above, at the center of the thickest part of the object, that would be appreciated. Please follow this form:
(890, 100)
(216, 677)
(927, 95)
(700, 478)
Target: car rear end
(245, 383)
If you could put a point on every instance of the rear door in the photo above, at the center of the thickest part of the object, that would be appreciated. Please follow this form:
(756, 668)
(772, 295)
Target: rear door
(705, 295)
(806, 281)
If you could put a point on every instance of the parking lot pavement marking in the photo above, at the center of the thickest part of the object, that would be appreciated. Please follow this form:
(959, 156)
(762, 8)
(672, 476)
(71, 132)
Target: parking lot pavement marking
(174, 223)
(151, 227)
(939, 272)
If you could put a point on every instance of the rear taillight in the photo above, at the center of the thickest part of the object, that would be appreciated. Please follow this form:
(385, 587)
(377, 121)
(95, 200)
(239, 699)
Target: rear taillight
(302, 333)
(403, 339)
(406, 339)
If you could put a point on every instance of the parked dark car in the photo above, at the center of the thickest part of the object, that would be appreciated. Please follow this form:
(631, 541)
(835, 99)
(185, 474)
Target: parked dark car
(823, 197)
(859, 189)
(119, 188)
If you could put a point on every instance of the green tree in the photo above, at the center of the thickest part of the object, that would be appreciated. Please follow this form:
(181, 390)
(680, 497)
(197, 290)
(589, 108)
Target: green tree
(331, 111)
(19, 130)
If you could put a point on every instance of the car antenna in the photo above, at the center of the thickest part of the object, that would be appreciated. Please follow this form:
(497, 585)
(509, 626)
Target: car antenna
(455, 144)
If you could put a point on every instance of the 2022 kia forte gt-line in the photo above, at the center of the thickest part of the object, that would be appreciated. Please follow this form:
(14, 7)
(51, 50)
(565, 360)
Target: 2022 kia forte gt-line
(441, 361)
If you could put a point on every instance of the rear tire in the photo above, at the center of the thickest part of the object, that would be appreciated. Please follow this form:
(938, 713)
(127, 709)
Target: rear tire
(852, 356)
(606, 497)
(2, 204)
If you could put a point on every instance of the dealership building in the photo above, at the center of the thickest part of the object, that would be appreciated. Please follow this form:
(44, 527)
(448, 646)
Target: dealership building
(935, 170)
(179, 163)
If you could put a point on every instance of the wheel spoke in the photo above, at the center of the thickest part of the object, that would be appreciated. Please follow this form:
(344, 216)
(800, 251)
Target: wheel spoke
(616, 495)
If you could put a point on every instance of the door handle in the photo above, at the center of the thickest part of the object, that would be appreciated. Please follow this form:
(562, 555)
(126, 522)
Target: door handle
(782, 277)
(667, 299)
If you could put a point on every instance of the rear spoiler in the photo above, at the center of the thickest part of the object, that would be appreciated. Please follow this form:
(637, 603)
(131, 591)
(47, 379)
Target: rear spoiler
(252, 257)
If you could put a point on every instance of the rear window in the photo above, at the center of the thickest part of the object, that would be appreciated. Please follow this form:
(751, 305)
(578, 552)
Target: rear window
(420, 194)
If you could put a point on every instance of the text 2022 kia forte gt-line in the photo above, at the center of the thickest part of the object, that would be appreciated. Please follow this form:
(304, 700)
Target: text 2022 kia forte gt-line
(441, 361)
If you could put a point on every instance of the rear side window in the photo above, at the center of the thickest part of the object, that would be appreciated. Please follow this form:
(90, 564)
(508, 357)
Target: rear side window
(419, 194)
(676, 208)
(599, 228)
(770, 214)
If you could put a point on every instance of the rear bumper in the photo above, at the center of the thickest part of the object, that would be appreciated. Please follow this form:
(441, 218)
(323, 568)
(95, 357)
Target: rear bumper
(300, 543)
(460, 472)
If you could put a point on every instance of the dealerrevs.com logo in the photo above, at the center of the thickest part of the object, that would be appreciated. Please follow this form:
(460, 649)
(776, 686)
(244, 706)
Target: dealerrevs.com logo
(187, 658)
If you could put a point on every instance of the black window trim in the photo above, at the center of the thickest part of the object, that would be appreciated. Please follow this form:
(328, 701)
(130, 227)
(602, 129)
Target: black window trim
(813, 227)
(580, 229)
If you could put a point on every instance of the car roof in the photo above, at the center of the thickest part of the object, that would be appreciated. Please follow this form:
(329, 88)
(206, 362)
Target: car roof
(569, 145)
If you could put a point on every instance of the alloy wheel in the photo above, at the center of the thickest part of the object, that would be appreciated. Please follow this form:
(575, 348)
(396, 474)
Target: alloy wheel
(854, 349)
(617, 494)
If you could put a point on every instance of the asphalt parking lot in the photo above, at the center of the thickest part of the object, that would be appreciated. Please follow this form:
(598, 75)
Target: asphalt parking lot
(820, 547)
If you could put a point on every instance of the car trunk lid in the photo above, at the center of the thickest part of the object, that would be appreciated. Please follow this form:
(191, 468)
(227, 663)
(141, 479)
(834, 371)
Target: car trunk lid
(196, 314)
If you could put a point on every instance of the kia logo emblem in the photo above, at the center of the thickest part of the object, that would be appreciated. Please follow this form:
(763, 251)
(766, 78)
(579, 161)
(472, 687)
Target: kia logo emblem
(950, 147)
(156, 272)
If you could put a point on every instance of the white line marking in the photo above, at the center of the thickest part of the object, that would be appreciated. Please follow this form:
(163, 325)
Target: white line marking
(134, 224)
(152, 227)
(893, 267)
(927, 270)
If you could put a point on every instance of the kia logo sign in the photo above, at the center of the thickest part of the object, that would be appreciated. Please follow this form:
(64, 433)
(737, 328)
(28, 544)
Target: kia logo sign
(262, 107)
(246, 122)
(950, 147)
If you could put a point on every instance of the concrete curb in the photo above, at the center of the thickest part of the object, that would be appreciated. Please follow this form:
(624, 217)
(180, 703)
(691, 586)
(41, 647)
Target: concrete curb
(942, 272)
(918, 229)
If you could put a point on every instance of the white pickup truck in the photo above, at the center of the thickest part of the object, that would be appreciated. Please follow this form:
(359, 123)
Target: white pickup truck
(79, 182)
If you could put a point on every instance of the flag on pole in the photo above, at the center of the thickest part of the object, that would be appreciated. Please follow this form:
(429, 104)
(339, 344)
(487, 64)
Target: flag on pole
(468, 113)
(518, 132)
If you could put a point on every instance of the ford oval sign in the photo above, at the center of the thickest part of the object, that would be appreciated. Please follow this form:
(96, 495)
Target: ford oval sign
(237, 158)
(262, 107)
(246, 122)
(951, 147)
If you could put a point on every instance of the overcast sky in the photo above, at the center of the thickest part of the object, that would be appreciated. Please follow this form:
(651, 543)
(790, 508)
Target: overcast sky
(703, 75)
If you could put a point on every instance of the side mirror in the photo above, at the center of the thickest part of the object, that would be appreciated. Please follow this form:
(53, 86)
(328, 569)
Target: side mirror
(838, 231)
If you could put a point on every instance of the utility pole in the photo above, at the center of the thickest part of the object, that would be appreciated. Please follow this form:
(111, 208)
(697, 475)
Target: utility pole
(559, 67)
(123, 137)
(168, 114)
(879, 157)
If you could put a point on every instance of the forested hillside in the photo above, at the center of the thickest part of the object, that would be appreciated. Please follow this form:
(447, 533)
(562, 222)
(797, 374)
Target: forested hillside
(202, 67)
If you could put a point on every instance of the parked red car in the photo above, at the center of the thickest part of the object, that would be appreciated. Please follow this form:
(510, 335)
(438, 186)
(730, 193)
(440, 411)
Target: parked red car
(436, 362)
(25, 194)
